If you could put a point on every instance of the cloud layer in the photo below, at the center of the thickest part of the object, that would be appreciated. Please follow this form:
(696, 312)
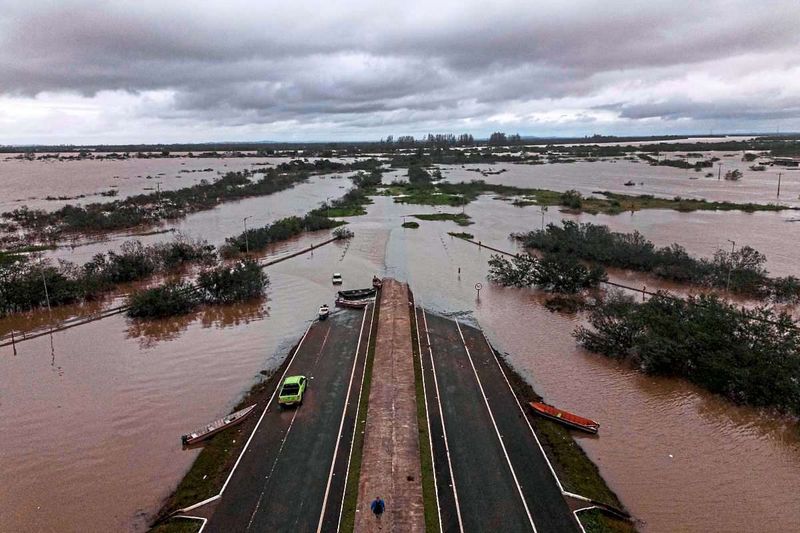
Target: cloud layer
(196, 71)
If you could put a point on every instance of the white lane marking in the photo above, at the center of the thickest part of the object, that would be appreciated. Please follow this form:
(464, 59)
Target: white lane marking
(521, 410)
(441, 417)
(247, 444)
(578, 520)
(428, 418)
(358, 409)
(272, 470)
(499, 437)
(188, 517)
(341, 424)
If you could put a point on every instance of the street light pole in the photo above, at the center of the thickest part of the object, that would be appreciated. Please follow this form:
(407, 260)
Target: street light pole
(246, 239)
(719, 171)
(543, 210)
(779, 184)
(730, 267)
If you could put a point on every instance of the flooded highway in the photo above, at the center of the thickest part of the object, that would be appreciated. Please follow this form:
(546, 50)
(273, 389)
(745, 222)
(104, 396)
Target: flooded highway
(91, 419)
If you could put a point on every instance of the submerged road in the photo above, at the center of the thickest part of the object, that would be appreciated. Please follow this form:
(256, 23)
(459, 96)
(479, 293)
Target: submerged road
(490, 470)
(292, 476)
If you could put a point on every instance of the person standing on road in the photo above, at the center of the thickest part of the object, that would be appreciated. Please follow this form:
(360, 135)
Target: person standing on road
(378, 506)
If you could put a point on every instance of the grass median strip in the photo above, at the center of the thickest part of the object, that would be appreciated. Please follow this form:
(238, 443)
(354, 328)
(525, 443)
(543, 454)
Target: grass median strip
(426, 454)
(350, 503)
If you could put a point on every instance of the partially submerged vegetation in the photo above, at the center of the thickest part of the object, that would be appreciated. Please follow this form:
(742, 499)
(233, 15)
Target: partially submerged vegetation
(462, 219)
(26, 285)
(741, 271)
(461, 235)
(750, 356)
(257, 239)
(410, 224)
(224, 284)
(559, 273)
(462, 193)
(152, 208)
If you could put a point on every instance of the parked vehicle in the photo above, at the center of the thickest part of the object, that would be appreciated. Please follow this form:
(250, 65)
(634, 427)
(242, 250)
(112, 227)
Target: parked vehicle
(292, 391)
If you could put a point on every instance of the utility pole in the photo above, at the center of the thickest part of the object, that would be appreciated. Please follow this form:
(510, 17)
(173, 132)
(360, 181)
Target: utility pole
(158, 193)
(730, 267)
(543, 210)
(719, 171)
(246, 239)
(779, 184)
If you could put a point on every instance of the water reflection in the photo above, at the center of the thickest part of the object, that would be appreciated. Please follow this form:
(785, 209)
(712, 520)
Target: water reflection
(151, 332)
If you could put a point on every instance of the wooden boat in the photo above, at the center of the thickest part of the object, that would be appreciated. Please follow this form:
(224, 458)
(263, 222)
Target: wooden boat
(324, 311)
(357, 294)
(565, 417)
(353, 304)
(217, 425)
(376, 282)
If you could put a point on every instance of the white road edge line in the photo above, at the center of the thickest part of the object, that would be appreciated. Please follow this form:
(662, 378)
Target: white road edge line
(427, 417)
(576, 511)
(441, 418)
(528, 422)
(247, 444)
(358, 412)
(203, 520)
(341, 424)
(496, 429)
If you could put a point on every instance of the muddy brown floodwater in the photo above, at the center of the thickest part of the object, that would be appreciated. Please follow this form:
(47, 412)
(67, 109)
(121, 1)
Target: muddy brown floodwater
(91, 419)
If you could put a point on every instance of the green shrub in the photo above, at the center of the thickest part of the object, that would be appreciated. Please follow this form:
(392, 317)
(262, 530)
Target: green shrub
(166, 300)
(245, 280)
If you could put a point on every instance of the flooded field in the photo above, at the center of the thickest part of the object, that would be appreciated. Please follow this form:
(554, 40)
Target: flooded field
(91, 419)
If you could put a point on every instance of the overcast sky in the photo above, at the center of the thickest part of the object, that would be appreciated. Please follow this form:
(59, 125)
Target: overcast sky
(167, 71)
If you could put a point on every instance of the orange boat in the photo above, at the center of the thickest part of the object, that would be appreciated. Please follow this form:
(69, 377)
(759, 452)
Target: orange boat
(565, 417)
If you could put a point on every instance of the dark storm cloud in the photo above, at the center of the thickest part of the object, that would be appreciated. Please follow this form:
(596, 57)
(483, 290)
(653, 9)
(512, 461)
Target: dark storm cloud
(369, 63)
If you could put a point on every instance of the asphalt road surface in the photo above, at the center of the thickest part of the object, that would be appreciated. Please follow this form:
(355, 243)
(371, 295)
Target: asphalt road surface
(495, 475)
(288, 479)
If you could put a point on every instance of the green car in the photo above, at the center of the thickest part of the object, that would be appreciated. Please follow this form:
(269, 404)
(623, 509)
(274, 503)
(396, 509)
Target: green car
(292, 391)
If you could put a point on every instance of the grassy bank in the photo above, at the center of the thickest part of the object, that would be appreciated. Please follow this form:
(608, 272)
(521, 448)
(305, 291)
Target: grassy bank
(595, 521)
(178, 525)
(425, 452)
(350, 500)
(578, 474)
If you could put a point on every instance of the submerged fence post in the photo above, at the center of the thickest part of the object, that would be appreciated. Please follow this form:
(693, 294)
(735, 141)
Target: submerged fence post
(13, 343)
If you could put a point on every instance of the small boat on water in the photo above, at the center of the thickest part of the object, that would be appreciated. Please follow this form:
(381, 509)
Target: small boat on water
(629, 183)
(217, 425)
(565, 417)
(357, 294)
(353, 304)
(336, 279)
(376, 282)
(324, 311)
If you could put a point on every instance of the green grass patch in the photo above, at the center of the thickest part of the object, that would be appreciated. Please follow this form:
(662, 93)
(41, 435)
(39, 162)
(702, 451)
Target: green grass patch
(461, 235)
(426, 454)
(350, 501)
(462, 219)
(411, 225)
(178, 525)
(595, 521)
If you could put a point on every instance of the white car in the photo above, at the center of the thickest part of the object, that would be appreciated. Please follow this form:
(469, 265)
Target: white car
(337, 278)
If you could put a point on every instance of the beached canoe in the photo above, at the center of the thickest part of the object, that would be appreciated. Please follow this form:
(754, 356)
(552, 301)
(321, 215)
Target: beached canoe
(357, 294)
(217, 425)
(565, 417)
